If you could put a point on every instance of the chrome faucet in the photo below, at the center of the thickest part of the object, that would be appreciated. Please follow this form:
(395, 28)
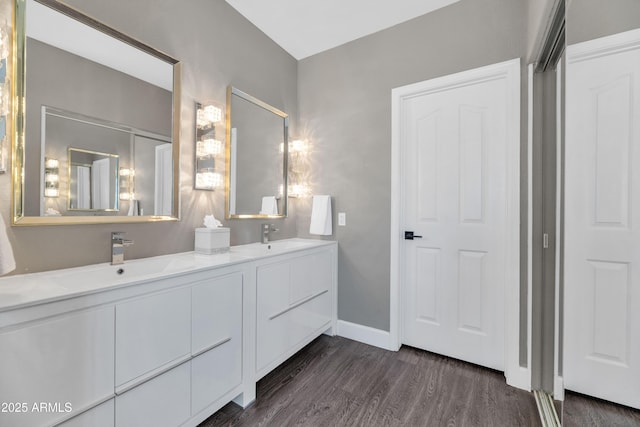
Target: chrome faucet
(118, 242)
(266, 231)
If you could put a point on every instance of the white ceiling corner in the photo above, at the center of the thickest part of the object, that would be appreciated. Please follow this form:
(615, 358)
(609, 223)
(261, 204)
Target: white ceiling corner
(306, 27)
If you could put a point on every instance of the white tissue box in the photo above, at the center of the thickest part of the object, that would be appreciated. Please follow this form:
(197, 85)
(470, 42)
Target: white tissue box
(212, 240)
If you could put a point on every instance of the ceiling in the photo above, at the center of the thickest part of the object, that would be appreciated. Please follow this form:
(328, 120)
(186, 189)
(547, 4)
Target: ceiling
(306, 27)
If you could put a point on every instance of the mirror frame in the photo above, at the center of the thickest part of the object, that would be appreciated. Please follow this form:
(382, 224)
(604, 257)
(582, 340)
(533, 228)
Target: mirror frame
(18, 91)
(227, 175)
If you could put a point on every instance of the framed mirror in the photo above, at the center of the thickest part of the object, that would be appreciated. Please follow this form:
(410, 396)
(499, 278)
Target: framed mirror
(257, 151)
(87, 96)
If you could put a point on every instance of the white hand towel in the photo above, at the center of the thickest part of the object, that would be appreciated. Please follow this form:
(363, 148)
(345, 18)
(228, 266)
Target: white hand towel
(7, 261)
(269, 206)
(321, 216)
(133, 208)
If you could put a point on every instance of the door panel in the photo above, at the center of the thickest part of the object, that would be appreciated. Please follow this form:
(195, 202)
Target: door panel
(455, 163)
(602, 218)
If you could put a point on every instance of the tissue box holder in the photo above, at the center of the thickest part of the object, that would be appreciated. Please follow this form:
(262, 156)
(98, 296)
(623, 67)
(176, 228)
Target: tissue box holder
(211, 241)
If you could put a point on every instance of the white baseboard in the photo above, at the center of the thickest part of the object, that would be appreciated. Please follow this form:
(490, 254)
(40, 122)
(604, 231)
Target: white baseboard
(558, 388)
(365, 334)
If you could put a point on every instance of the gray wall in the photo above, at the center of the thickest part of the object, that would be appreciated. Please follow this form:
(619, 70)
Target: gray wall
(217, 47)
(590, 19)
(345, 111)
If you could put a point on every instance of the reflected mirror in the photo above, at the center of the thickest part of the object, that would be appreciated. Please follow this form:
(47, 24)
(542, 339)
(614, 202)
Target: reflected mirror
(93, 181)
(87, 95)
(256, 179)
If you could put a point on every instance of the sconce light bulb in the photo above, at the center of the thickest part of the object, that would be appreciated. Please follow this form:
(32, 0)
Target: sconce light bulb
(51, 163)
(51, 192)
(208, 115)
(208, 180)
(126, 172)
(213, 113)
(51, 177)
(208, 147)
(297, 146)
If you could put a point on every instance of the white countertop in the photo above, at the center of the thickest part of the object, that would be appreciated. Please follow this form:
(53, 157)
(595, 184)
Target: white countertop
(36, 288)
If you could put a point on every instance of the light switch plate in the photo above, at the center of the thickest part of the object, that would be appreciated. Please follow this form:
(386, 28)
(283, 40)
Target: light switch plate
(342, 218)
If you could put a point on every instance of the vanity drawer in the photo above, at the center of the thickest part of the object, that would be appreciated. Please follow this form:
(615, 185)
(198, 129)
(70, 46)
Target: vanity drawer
(60, 360)
(216, 312)
(162, 401)
(282, 285)
(216, 339)
(101, 416)
(153, 333)
(279, 334)
(215, 373)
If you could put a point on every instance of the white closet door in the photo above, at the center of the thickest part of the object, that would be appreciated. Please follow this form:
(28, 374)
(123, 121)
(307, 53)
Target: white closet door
(602, 219)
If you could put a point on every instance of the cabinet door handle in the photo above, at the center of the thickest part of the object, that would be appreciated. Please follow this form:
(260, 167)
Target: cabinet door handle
(211, 347)
(298, 304)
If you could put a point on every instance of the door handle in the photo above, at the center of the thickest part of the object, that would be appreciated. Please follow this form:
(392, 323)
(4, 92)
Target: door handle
(408, 235)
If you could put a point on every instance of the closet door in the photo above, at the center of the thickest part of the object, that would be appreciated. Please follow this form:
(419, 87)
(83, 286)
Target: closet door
(602, 219)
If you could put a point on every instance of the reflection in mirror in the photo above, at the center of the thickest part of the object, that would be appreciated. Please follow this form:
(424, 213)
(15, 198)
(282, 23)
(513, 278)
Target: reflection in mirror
(93, 180)
(89, 87)
(130, 150)
(256, 160)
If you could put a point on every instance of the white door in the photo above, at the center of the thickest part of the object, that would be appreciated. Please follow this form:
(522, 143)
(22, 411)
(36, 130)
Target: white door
(602, 219)
(460, 179)
(163, 201)
(100, 184)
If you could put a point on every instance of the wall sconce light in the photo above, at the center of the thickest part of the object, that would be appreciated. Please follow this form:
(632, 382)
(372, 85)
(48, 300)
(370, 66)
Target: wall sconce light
(208, 115)
(126, 184)
(298, 165)
(51, 177)
(4, 93)
(208, 147)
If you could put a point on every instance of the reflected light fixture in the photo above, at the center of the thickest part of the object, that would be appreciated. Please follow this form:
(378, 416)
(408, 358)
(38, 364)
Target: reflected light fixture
(51, 177)
(126, 184)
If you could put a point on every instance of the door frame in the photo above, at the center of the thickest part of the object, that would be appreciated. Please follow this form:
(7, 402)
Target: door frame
(509, 71)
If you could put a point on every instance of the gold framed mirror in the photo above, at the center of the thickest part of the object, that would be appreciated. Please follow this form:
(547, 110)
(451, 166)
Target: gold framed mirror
(257, 151)
(116, 93)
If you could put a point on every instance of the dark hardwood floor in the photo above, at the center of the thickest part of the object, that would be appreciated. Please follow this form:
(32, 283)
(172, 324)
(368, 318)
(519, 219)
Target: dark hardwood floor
(584, 411)
(338, 382)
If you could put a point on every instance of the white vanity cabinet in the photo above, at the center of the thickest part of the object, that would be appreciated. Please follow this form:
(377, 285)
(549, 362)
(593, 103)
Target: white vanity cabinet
(179, 352)
(169, 344)
(295, 303)
(52, 367)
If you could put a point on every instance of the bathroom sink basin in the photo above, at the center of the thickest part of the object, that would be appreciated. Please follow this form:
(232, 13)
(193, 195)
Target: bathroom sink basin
(274, 247)
(105, 274)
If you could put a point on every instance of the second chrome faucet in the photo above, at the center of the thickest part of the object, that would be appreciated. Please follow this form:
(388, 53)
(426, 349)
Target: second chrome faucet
(118, 243)
(266, 231)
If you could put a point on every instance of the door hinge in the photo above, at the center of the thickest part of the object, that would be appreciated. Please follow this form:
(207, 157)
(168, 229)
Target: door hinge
(545, 241)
